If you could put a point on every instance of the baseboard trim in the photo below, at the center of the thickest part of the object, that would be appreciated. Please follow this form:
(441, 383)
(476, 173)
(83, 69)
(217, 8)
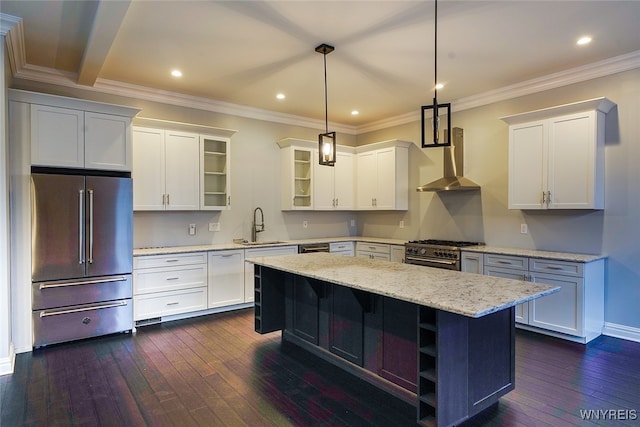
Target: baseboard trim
(621, 331)
(7, 363)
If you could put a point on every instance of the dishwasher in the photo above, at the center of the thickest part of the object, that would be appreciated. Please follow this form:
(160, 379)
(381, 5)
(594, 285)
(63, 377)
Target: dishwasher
(313, 247)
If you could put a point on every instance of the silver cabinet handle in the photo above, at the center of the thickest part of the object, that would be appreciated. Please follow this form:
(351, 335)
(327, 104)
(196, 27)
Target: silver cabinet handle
(172, 260)
(554, 267)
(229, 200)
(544, 197)
(50, 285)
(90, 226)
(168, 200)
(46, 313)
(172, 278)
(173, 303)
(548, 198)
(80, 224)
(503, 262)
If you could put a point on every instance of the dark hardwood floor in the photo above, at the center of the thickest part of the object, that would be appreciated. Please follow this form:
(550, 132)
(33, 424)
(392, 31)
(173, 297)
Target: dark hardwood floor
(216, 370)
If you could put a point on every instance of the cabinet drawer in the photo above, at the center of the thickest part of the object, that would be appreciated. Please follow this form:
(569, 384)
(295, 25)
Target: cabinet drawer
(151, 261)
(373, 247)
(504, 261)
(167, 303)
(556, 267)
(169, 279)
(340, 246)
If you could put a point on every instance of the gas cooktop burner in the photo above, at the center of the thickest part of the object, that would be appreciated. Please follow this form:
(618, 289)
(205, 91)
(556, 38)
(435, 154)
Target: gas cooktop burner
(444, 242)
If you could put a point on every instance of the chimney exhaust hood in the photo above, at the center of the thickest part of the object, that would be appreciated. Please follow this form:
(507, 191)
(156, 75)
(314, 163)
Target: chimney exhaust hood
(453, 168)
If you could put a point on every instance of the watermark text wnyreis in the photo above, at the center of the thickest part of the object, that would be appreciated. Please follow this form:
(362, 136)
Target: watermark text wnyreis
(608, 414)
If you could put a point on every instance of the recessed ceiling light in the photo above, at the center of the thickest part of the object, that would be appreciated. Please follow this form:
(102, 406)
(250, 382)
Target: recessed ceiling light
(584, 40)
(176, 73)
(439, 86)
(355, 112)
(280, 96)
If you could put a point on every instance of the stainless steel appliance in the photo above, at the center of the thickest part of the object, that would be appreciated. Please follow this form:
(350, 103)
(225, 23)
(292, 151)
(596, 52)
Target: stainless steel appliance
(313, 247)
(435, 253)
(82, 255)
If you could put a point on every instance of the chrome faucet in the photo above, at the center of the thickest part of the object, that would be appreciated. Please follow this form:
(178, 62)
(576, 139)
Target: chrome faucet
(255, 227)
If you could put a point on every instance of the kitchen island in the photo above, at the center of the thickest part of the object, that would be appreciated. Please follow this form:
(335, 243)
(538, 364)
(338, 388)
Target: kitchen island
(442, 340)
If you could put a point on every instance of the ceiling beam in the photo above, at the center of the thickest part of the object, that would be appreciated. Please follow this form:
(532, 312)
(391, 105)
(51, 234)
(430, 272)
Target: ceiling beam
(109, 17)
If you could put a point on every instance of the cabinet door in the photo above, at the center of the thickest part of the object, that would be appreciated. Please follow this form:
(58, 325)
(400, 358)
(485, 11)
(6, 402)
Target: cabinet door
(344, 188)
(522, 310)
(215, 176)
(472, 262)
(367, 181)
(148, 169)
(107, 142)
(182, 182)
(323, 185)
(397, 254)
(306, 308)
(226, 278)
(527, 165)
(572, 152)
(562, 311)
(385, 197)
(57, 137)
(346, 333)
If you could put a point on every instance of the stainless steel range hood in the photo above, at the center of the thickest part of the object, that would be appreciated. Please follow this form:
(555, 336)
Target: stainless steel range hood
(453, 168)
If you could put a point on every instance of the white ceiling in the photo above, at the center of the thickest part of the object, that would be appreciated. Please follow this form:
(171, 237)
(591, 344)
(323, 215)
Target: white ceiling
(245, 52)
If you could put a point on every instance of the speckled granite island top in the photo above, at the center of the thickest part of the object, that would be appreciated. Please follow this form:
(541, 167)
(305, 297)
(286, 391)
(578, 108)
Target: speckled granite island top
(468, 294)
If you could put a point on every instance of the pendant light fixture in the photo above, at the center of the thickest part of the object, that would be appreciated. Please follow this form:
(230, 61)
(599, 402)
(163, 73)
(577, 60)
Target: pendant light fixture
(432, 131)
(326, 140)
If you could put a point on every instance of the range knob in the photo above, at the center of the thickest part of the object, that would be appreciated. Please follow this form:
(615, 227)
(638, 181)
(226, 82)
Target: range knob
(423, 251)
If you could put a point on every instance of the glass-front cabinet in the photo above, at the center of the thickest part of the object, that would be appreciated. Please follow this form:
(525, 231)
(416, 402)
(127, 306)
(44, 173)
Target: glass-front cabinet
(214, 176)
(296, 174)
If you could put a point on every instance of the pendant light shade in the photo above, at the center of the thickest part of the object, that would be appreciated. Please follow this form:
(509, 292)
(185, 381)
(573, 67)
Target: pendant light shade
(432, 130)
(326, 140)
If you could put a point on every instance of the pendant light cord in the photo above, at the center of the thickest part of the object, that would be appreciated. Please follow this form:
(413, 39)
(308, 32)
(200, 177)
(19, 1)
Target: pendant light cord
(435, 50)
(326, 108)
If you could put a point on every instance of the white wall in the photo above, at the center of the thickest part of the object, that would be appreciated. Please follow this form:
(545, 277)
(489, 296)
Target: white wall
(484, 216)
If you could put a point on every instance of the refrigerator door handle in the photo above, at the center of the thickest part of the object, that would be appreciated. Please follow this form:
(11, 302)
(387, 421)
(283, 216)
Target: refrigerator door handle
(90, 226)
(46, 313)
(80, 225)
(50, 285)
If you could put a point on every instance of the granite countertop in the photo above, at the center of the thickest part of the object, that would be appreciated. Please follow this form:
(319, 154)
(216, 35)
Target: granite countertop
(230, 245)
(533, 253)
(468, 294)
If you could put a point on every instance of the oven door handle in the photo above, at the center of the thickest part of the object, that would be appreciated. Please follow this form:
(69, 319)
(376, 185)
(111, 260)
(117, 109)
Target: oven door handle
(410, 259)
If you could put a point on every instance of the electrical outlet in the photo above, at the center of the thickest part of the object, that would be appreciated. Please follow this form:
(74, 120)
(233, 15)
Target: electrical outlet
(214, 226)
(401, 224)
(353, 222)
(524, 229)
(305, 224)
(192, 229)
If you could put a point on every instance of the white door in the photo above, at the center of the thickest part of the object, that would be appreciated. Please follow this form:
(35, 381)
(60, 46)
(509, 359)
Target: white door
(343, 188)
(226, 278)
(527, 165)
(323, 179)
(522, 310)
(572, 151)
(562, 311)
(148, 169)
(106, 142)
(386, 194)
(57, 137)
(367, 179)
(182, 163)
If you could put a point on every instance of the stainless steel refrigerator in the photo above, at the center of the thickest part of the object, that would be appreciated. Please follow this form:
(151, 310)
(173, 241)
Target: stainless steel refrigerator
(82, 256)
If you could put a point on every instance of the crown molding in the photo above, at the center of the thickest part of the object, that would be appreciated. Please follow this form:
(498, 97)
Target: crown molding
(7, 22)
(617, 64)
(22, 70)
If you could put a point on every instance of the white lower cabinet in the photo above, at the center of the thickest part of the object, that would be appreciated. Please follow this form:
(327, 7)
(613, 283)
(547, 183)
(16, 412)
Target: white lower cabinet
(260, 252)
(576, 312)
(226, 278)
(342, 248)
(373, 251)
(165, 285)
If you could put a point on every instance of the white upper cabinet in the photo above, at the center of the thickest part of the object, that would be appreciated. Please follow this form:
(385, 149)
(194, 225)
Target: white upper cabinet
(382, 176)
(556, 157)
(73, 133)
(166, 170)
(296, 157)
(333, 186)
(175, 169)
(215, 181)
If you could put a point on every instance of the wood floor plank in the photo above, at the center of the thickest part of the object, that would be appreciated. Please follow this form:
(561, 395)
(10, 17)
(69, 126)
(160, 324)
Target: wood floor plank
(216, 371)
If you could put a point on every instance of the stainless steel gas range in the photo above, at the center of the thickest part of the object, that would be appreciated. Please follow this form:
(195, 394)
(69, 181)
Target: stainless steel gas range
(435, 253)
